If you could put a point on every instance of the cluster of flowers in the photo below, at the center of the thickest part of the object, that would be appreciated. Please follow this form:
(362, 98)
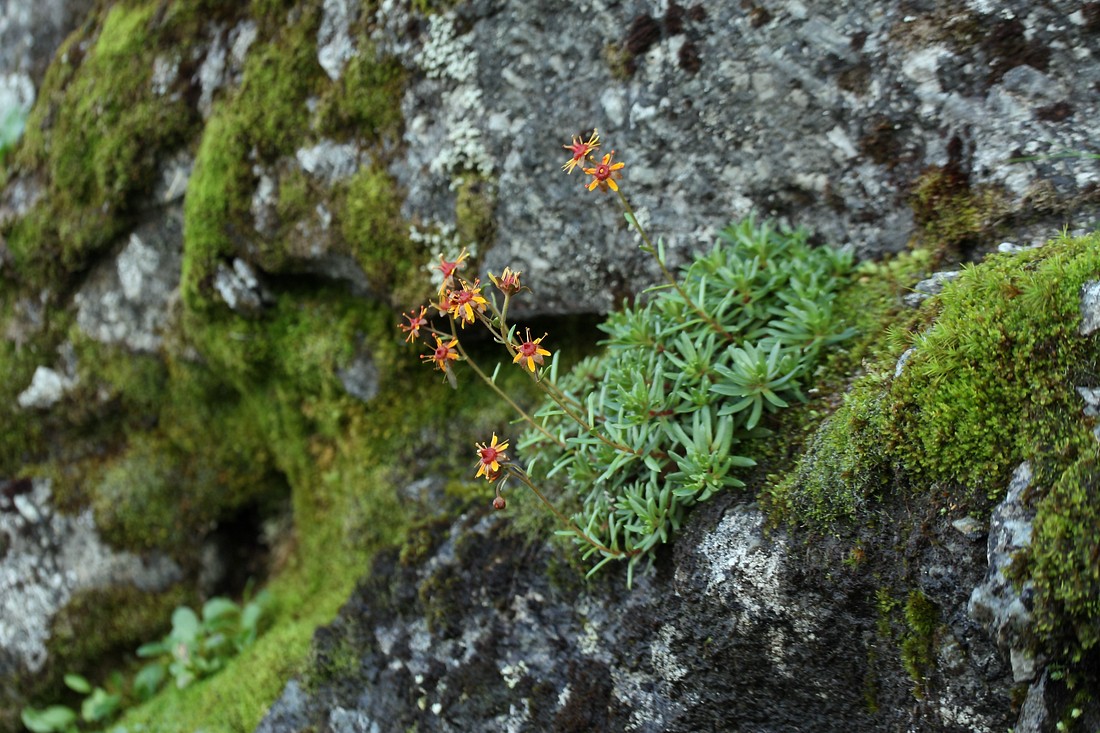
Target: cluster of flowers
(464, 304)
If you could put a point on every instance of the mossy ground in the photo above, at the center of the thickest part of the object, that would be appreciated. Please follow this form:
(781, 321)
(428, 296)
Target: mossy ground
(235, 414)
(990, 382)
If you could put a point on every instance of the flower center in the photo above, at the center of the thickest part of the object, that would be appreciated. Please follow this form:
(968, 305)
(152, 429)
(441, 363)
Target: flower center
(441, 352)
(463, 297)
(528, 348)
(488, 455)
(603, 172)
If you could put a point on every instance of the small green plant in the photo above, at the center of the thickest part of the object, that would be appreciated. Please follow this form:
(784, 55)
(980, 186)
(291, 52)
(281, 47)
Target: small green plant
(662, 420)
(199, 646)
(11, 128)
(98, 706)
(196, 647)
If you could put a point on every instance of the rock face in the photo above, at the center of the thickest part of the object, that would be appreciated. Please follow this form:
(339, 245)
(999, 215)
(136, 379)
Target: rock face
(832, 116)
(198, 273)
(46, 558)
(743, 629)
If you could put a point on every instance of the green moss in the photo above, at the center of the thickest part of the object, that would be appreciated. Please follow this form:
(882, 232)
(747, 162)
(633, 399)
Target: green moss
(845, 468)
(989, 383)
(99, 629)
(952, 214)
(268, 119)
(1063, 561)
(363, 102)
(918, 644)
(371, 224)
(475, 200)
(97, 131)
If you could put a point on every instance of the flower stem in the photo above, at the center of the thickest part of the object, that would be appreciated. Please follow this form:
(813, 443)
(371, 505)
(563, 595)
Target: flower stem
(607, 551)
(504, 395)
(715, 325)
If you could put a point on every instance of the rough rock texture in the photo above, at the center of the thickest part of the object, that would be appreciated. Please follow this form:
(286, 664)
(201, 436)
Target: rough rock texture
(741, 629)
(997, 604)
(127, 302)
(29, 33)
(45, 558)
(824, 114)
(869, 124)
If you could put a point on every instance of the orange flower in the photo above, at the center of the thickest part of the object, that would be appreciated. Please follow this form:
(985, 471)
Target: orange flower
(464, 303)
(604, 174)
(415, 321)
(531, 351)
(508, 283)
(581, 150)
(443, 354)
(490, 457)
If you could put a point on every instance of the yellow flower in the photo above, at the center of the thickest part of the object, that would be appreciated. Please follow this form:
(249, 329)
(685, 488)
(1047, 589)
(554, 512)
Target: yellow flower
(581, 150)
(531, 351)
(604, 174)
(465, 303)
(490, 457)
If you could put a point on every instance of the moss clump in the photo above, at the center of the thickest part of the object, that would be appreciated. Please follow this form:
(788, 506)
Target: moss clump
(475, 200)
(371, 224)
(1064, 561)
(99, 629)
(362, 102)
(843, 469)
(952, 214)
(989, 383)
(918, 644)
(97, 132)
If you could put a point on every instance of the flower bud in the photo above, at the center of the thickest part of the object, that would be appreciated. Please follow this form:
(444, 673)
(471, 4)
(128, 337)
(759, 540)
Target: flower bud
(499, 503)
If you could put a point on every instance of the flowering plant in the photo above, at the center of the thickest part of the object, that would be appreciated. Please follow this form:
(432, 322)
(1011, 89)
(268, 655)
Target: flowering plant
(661, 420)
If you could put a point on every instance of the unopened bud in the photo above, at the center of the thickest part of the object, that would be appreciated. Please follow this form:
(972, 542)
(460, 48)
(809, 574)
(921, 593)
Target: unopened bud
(499, 503)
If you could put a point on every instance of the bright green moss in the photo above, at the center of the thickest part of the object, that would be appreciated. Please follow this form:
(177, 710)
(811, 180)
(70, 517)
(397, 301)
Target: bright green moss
(97, 131)
(990, 382)
(1064, 561)
(378, 238)
(363, 103)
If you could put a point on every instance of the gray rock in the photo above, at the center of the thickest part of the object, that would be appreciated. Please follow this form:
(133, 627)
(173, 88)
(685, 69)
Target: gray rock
(127, 301)
(46, 389)
(1034, 715)
(733, 632)
(330, 161)
(360, 376)
(223, 64)
(969, 527)
(334, 43)
(824, 117)
(1091, 396)
(50, 557)
(241, 288)
(1090, 307)
(996, 603)
(906, 355)
(929, 287)
(31, 32)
